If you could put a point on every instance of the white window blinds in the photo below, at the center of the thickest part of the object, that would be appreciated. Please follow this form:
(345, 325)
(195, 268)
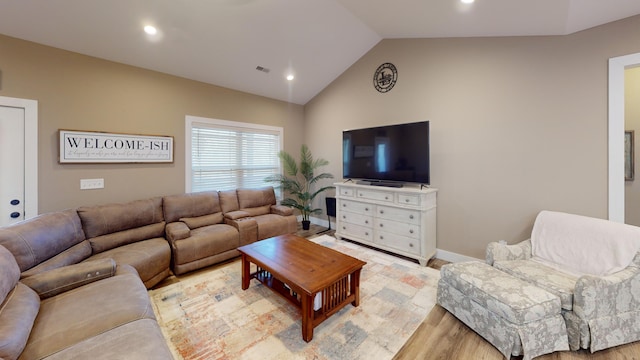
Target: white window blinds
(229, 155)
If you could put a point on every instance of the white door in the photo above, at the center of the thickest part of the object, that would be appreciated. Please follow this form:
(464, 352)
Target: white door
(18, 159)
(12, 197)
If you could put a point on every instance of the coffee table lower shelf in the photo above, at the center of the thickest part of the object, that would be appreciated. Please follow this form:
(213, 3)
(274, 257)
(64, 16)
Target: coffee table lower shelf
(333, 297)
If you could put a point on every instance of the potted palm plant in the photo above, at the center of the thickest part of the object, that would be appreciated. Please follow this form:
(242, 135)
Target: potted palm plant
(298, 182)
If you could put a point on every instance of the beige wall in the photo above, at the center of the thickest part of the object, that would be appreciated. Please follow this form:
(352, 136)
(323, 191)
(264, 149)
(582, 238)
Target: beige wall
(632, 122)
(518, 124)
(84, 93)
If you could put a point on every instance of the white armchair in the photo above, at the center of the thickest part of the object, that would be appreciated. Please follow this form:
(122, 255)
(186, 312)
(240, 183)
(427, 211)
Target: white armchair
(592, 265)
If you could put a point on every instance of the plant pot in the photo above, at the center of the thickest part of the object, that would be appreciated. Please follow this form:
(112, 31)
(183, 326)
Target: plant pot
(306, 224)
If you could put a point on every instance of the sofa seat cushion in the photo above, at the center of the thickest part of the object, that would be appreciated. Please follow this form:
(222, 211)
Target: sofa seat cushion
(87, 311)
(556, 282)
(35, 240)
(513, 299)
(271, 225)
(140, 339)
(17, 315)
(149, 257)
(204, 242)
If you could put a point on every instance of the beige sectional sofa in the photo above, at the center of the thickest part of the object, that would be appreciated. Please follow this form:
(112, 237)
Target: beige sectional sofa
(73, 282)
(93, 310)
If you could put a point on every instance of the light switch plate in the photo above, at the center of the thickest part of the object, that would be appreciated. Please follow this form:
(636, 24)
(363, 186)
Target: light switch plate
(87, 184)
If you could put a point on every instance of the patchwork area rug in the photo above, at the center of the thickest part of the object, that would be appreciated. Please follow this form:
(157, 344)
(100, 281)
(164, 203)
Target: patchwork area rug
(207, 315)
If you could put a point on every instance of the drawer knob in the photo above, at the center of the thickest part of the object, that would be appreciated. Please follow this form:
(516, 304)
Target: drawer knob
(406, 200)
(386, 198)
(366, 233)
(381, 237)
(410, 244)
(366, 209)
(411, 231)
(366, 221)
(344, 205)
(411, 217)
(344, 228)
(381, 225)
(381, 211)
(344, 217)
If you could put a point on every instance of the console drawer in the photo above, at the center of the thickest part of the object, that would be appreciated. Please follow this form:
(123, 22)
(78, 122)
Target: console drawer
(356, 207)
(346, 192)
(396, 214)
(375, 195)
(395, 241)
(404, 199)
(359, 232)
(357, 219)
(394, 227)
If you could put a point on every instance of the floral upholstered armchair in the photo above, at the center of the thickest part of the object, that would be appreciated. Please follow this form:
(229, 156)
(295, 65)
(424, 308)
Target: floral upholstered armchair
(592, 265)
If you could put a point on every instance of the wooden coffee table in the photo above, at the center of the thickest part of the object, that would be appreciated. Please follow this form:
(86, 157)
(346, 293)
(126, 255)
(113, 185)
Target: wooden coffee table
(298, 269)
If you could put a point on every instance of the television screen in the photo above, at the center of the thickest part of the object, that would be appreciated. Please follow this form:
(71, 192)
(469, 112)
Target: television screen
(394, 153)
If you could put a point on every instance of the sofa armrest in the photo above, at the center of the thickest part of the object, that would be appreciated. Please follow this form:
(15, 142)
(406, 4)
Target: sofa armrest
(281, 210)
(497, 251)
(601, 296)
(57, 281)
(238, 214)
(177, 231)
(247, 229)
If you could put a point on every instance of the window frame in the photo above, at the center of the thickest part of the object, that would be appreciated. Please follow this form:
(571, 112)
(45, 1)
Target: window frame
(190, 121)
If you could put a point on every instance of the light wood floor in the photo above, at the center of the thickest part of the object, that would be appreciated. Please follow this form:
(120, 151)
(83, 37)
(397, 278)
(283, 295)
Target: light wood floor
(442, 336)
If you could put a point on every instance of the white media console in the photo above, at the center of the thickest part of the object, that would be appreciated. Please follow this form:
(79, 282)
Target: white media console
(398, 220)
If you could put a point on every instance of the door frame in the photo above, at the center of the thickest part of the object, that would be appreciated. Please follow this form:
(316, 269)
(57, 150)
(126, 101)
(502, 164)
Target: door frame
(30, 151)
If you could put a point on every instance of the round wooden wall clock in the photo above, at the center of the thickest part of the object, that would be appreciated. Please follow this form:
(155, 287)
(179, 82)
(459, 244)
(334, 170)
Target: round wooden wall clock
(385, 77)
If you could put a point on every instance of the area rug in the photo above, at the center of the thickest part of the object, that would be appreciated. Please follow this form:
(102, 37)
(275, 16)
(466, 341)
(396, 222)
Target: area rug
(208, 316)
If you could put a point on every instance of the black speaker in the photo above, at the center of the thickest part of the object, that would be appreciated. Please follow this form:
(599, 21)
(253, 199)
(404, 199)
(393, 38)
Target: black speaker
(331, 208)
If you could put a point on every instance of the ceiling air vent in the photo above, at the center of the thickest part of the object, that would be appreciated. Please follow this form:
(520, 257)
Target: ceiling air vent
(263, 69)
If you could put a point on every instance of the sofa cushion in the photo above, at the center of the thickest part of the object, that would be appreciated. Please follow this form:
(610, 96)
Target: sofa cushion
(140, 339)
(87, 311)
(254, 198)
(106, 242)
(583, 245)
(107, 219)
(204, 220)
(190, 205)
(206, 241)
(271, 225)
(228, 201)
(556, 282)
(511, 298)
(17, 315)
(40, 238)
(10, 273)
(72, 255)
(149, 257)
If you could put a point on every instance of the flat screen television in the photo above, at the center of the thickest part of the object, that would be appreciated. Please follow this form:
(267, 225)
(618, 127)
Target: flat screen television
(387, 155)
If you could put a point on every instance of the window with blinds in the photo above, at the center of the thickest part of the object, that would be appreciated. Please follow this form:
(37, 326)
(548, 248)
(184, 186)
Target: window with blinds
(227, 155)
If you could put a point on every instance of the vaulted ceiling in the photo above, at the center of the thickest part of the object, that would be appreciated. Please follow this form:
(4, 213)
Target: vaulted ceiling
(223, 42)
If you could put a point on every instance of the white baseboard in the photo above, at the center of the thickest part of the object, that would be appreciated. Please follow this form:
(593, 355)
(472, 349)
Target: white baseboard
(454, 257)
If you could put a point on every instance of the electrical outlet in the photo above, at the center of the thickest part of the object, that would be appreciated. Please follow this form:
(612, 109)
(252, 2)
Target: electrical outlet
(86, 184)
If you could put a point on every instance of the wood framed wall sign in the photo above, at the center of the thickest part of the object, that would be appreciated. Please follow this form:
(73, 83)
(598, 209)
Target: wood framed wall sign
(100, 147)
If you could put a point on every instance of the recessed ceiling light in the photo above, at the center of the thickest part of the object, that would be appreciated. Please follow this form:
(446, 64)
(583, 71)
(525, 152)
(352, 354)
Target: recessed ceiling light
(151, 30)
(290, 77)
(467, 1)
